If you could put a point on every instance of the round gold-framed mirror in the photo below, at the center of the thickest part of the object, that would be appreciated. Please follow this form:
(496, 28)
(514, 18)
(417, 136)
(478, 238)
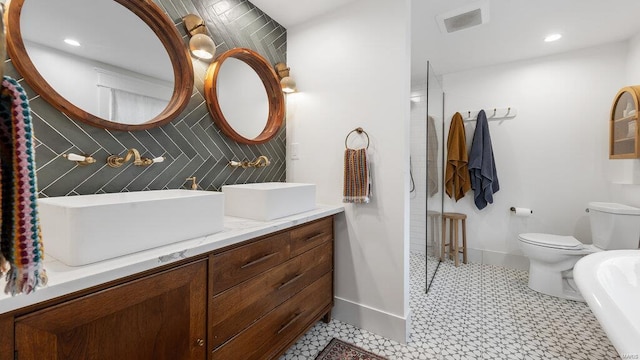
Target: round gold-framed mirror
(151, 18)
(266, 125)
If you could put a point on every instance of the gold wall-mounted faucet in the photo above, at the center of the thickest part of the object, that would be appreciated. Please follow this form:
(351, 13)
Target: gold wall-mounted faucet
(116, 161)
(261, 161)
(194, 184)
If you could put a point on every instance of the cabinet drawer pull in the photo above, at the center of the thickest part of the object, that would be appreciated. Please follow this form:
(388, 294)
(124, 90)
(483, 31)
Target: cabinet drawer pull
(258, 260)
(289, 282)
(285, 326)
(314, 237)
(200, 342)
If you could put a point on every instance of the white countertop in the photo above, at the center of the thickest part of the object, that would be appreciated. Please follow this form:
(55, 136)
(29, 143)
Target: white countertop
(65, 279)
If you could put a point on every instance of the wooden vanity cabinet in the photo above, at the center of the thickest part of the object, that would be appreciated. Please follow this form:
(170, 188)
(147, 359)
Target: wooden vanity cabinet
(247, 301)
(6, 337)
(260, 306)
(624, 142)
(161, 316)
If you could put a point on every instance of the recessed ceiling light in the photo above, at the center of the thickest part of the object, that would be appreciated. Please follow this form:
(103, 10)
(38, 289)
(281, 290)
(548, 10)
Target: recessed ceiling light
(72, 42)
(552, 37)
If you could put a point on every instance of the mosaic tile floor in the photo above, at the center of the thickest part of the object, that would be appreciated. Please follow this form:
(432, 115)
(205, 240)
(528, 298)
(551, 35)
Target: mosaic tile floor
(476, 312)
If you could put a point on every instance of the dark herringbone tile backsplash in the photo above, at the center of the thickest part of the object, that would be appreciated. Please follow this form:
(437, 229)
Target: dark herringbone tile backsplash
(192, 144)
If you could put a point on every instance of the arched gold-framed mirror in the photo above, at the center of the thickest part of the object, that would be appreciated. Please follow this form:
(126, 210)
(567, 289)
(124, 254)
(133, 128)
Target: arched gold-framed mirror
(271, 121)
(179, 92)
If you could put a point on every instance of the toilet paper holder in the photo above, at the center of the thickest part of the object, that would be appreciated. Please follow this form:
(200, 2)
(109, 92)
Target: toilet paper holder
(513, 209)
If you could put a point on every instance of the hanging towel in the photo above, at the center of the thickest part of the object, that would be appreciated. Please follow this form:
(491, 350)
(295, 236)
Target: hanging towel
(456, 180)
(432, 157)
(482, 166)
(357, 181)
(21, 243)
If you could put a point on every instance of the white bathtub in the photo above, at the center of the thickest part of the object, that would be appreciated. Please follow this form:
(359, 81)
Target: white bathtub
(610, 283)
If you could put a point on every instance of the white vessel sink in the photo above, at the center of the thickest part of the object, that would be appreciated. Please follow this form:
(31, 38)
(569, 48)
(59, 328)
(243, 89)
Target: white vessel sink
(83, 229)
(268, 201)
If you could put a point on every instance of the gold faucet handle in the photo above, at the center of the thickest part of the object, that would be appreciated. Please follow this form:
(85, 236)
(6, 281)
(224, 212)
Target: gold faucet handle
(81, 160)
(146, 161)
(243, 164)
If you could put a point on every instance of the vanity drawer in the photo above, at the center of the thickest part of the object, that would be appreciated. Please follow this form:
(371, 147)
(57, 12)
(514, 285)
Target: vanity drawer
(238, 307)
(234, 266)
(266, 338)
(309, 236)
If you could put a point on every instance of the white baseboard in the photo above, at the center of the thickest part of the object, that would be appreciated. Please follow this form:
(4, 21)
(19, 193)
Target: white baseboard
(376, 321)
(511, 261)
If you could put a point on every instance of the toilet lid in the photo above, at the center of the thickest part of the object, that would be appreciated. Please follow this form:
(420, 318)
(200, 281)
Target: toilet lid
(550, 240)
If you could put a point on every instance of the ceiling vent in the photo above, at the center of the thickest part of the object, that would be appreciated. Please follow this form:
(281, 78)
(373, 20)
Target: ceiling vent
(464, 18)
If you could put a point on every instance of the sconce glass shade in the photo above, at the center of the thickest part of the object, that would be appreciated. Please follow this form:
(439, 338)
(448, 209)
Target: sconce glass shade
(286, 82)
(288, 85)
(202, 46)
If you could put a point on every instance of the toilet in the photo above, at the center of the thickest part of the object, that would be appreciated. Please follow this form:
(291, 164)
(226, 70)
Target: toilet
(552, 257)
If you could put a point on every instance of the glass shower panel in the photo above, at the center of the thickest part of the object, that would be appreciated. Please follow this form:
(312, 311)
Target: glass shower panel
(434, 174)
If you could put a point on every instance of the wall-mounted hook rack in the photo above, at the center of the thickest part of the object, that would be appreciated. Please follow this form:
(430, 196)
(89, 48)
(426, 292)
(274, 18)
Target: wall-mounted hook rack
(492, 114)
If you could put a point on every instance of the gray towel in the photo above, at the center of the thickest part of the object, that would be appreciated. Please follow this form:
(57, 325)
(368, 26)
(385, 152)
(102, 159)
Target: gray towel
(482, 166)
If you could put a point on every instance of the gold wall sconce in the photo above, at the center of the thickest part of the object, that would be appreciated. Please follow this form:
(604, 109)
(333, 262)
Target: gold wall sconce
(201, 45)
(81, 160)
(116, 161)
(286, 81)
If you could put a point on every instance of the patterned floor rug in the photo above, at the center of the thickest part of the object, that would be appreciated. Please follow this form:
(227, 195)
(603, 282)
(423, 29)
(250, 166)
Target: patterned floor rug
(340, 350)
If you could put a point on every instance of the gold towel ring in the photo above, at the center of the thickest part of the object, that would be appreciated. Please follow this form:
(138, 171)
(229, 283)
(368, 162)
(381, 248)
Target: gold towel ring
(360, 131)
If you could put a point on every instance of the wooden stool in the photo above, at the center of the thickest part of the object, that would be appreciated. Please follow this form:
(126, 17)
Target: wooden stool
(454, 246)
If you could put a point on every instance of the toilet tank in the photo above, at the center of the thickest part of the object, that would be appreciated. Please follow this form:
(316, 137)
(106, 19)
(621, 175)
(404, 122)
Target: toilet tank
(614, 226)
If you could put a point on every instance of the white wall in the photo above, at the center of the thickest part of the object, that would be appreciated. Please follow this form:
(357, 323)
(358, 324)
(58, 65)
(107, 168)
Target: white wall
(58, 67)
(552, 156)
(625, 173)
(352, 68)
(87, 91)
(419, 166)
(633, 62)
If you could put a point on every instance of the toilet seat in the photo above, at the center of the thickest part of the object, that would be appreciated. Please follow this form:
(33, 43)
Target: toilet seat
(552, 241)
